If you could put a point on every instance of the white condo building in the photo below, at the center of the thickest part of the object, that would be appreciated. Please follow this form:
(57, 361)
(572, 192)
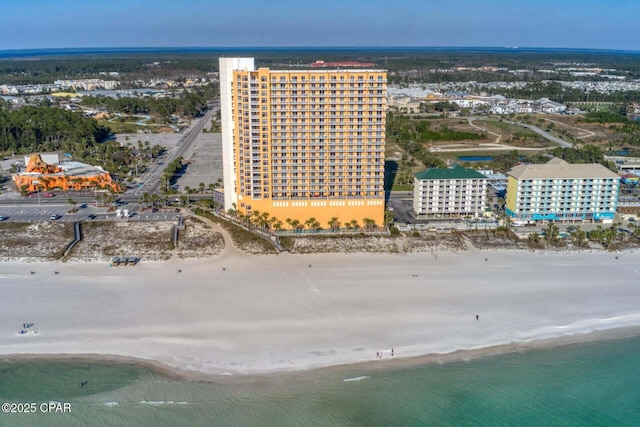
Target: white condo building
(456, 191)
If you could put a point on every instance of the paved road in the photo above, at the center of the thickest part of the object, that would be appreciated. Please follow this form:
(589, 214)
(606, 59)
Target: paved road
(151, 179)
(38, 213)
(547, 135)
(542, 133)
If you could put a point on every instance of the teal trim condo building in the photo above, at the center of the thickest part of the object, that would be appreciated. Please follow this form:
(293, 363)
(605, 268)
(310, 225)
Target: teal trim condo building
(560, 191)
(454, 191)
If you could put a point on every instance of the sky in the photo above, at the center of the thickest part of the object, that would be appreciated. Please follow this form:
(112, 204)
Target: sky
(595, 24)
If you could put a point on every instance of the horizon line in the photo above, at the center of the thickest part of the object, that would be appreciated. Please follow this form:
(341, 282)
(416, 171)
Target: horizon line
(317, 47)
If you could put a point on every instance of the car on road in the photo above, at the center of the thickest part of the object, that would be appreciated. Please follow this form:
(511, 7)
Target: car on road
(92, 216)
(49, 195)
(54, 217)
(2, 217)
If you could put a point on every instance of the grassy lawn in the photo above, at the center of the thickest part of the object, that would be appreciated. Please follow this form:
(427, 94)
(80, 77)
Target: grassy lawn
(497, 126)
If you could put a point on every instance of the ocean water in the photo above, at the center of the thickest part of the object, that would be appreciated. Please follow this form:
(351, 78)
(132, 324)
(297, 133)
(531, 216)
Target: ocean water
(595, 384)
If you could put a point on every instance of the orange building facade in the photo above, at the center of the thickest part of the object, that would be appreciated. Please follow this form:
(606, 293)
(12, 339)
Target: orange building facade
(304, 144)
(77, 176)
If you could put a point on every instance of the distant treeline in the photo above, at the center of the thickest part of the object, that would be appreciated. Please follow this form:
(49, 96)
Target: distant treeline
(191, 104)
(405, 65)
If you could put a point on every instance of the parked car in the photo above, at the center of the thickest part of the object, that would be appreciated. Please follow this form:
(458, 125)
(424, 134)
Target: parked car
(49, 195)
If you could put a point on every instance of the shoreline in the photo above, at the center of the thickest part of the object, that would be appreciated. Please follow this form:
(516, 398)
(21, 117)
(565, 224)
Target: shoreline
(241, 317)
(461, 355)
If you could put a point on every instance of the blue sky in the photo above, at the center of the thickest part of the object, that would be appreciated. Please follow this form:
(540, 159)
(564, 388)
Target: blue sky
(606, 24)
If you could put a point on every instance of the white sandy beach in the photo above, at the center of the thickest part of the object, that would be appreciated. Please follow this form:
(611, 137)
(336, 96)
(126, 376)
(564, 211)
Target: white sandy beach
(277, 313)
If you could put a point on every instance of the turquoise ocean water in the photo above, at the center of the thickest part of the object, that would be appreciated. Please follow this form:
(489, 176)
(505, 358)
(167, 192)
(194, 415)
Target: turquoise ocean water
(595, 384)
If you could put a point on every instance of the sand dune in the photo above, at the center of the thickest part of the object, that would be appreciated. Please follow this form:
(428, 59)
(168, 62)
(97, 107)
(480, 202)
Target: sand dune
(256, 314)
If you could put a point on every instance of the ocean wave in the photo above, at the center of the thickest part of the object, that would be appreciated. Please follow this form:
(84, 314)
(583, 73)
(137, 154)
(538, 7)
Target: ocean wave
(355, 379)
(162, 402)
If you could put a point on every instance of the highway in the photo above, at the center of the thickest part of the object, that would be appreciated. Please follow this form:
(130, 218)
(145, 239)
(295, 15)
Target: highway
(151, 179)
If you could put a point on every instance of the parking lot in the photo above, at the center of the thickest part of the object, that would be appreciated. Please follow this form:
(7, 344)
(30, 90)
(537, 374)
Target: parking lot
(205, 162)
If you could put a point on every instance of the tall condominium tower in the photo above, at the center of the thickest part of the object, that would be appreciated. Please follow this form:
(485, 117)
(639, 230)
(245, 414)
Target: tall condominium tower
(301, 144)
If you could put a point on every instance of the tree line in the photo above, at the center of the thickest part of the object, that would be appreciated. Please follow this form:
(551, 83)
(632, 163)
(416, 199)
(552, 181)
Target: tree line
(33, 129)
(191, 104)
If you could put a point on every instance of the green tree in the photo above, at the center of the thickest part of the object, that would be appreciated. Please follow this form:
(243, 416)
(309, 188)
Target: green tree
(297, 226)
(552, 233)
(334, 224)
(72, 204)
(369, 224)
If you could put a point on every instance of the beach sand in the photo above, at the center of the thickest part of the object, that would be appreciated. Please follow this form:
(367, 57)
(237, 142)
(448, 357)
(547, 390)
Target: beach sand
(237, 314)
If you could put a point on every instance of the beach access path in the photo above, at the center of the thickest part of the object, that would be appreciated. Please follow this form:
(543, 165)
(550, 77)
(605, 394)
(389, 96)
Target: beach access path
(239, 314)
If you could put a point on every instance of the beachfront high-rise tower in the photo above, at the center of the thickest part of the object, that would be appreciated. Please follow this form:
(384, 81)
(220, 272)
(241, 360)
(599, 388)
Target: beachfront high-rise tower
(301, 144)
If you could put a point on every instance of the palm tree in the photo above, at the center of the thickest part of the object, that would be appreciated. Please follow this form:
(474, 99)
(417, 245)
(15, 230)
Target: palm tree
(255, 217)
(289, 223)
(277, 225)
(297, 226)
(552, 233)
(310, 222)
(145, 198)
(369, 224)
(354, 224)
(72, 203)
(388, 218)
(239, 216)
(201, 187)
(334, 224)
(264, 220)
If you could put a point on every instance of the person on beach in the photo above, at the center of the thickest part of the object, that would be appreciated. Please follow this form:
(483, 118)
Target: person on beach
(477, 317)
(391, 352)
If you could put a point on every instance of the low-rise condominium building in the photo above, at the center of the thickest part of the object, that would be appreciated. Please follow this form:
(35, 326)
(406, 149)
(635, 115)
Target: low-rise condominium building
(560, 191)
(455, 191)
